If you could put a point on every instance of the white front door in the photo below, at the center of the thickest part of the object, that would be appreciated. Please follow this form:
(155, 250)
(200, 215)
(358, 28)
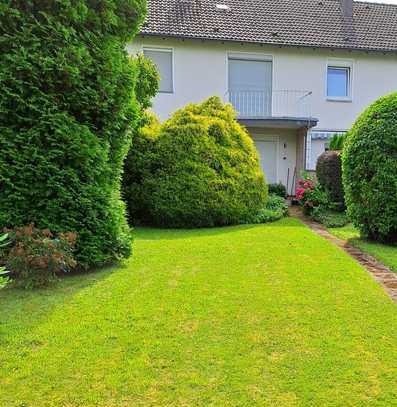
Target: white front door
(268, 159)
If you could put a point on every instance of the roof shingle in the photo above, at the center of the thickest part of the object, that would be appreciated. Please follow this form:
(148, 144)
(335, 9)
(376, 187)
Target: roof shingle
(306, 23)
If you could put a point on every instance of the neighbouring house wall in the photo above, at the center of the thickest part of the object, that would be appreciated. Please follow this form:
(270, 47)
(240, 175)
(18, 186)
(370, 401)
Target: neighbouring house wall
(201, 70)
(317, 148)
(300, 152)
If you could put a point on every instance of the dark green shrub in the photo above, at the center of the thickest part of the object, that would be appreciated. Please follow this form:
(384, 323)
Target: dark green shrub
(329, 175)
(36, 257)
(337, 141)
(66, 109)
(200, 168)
(276, 208)
(278, 189)
(370, 171)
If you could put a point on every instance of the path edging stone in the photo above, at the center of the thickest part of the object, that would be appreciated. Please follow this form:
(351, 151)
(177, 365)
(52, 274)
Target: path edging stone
(380, 273)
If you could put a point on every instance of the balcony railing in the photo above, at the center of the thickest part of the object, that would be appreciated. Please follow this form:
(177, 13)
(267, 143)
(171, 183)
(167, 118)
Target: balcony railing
(257, 104)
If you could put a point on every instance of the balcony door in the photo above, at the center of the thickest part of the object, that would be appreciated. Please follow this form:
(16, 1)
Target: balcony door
(250, 86)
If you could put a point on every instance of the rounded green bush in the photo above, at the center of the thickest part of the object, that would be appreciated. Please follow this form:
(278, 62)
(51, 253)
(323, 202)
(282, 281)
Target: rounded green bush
(329, 175)
(67, 105)
(370, 170)
(200, 168)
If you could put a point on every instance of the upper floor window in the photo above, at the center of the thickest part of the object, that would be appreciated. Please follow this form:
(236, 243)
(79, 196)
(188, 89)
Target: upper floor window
(339, 80)
(163, 59)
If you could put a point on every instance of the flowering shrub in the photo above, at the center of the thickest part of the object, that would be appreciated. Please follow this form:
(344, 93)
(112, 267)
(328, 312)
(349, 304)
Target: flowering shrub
(309, 194)
(36, 257)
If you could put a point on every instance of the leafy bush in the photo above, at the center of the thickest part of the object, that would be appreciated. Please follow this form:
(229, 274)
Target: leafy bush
(66, 109)
(147, 80)
(278, 189)
(370, 171)
(144, 132)
(275, 209)
(309, 194)
(36, 257)
(200, 168)
(329, 175)
(329, 218)
(337, 141)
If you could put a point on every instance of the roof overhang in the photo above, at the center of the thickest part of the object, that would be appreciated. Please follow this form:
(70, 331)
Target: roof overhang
(347, 47)
(280, 122)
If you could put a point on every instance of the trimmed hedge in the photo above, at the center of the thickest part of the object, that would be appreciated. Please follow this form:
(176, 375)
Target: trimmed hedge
(66, 109)
(200, 168)
(370, 171)
(329, 175)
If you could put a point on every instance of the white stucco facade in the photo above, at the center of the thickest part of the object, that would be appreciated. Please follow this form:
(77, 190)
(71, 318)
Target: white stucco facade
(200, 70)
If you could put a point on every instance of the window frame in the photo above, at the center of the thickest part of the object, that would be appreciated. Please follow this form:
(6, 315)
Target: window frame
(345, 65)
(169, 50)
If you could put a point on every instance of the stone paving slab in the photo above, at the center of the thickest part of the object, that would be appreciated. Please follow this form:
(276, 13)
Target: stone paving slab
(382, 274)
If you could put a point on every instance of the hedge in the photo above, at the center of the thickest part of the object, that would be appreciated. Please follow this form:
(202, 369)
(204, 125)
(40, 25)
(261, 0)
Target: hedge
(370, 171)
(66, 110)
(329, 175)
(199, 168)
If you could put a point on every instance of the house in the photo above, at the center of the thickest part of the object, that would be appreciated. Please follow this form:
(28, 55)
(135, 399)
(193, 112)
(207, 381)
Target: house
(297, 71)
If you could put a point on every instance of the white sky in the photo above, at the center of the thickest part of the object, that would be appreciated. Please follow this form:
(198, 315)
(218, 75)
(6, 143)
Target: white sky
(382, 1)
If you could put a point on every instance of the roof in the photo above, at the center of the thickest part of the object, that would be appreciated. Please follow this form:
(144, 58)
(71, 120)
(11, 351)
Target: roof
(302, 23)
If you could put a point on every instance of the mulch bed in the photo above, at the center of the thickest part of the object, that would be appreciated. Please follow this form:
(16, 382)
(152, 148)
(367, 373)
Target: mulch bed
(382, 274)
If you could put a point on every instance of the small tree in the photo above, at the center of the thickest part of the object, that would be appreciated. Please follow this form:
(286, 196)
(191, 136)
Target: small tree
(66, 110)
(200, 168)
(370, 170)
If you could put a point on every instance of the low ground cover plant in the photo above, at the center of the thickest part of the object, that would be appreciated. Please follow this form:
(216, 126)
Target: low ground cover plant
(37, 257)
(200, 168)
(276, 208)
(370, 171)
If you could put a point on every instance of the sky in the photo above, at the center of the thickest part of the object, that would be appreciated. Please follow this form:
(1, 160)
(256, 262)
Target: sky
(382, 1)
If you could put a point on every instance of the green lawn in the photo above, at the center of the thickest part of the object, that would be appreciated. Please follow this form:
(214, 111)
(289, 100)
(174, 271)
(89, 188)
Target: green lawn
(268, 315)
(384, 253)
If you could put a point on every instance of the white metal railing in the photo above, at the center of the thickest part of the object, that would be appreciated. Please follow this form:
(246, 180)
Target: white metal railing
(267, 104)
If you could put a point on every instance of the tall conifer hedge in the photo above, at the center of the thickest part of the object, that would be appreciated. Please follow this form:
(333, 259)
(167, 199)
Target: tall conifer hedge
(66, 108)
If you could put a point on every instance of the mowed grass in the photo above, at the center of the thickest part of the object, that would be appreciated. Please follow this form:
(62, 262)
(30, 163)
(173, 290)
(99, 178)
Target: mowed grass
(268, 315)
(386, 254)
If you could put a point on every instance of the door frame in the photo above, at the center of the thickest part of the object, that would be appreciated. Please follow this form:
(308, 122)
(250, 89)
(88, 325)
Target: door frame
(270, 138)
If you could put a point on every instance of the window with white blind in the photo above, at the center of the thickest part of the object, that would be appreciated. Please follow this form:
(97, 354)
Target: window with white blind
(163, 59)
(250, 84)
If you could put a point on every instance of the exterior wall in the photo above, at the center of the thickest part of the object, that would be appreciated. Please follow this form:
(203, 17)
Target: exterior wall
(200, 71)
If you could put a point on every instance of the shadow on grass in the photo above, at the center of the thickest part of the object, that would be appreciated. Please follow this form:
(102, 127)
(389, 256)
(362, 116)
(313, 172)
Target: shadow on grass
(28, 308)
(152, 233)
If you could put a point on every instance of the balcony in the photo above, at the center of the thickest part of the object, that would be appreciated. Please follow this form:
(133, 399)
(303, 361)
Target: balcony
(278, 106)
